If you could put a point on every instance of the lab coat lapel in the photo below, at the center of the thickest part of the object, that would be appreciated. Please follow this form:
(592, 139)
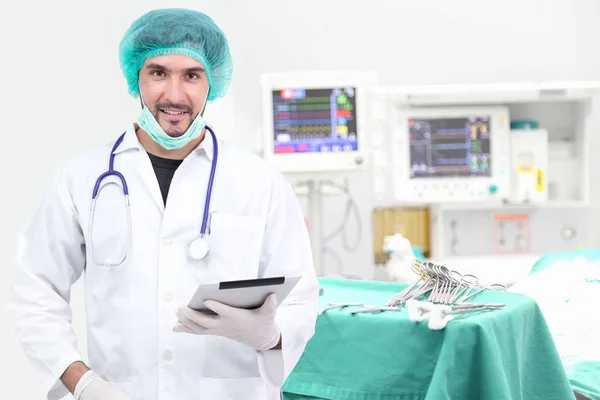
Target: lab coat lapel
(146, 171)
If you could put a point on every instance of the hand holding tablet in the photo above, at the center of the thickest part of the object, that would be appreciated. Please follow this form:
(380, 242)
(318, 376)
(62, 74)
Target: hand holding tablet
(243, 311)
(248, 294)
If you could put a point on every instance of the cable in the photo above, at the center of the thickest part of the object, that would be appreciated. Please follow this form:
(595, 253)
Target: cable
(336, 257)
(350, 206)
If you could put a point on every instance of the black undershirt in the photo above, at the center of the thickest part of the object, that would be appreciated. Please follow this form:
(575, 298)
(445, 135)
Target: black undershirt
(164, 168)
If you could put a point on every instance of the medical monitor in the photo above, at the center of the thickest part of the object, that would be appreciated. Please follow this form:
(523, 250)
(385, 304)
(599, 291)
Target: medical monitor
(452, 154)
(313, 121)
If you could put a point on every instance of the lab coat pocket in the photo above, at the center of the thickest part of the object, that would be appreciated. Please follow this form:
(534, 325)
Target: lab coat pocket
(233, 389)
(235, 245)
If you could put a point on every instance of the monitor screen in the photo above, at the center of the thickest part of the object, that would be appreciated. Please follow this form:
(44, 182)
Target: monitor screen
(314, 120)
(446, 147)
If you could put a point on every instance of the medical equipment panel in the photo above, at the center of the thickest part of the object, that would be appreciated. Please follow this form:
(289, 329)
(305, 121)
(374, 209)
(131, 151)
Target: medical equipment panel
(529, 169)
(314, 121)
(545, 206)
(452, 154)
(514, 230)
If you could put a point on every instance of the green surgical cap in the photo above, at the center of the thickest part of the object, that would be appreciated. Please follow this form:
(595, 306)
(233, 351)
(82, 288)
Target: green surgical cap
(177, 31)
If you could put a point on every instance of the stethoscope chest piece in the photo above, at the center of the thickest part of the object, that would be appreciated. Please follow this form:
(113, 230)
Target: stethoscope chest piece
(199, 248)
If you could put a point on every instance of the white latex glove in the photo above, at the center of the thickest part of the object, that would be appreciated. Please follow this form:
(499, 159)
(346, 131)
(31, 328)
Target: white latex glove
(255, 328)
(92, 387)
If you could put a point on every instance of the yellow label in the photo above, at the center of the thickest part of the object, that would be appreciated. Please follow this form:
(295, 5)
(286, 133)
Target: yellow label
(540, 180)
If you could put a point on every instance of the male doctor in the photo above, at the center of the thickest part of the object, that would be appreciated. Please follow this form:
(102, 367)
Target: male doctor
(143, 342)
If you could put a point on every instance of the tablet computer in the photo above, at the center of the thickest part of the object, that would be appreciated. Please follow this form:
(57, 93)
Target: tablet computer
(248, 294)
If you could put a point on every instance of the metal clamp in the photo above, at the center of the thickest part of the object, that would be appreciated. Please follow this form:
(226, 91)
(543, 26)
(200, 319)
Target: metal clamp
(333, 306)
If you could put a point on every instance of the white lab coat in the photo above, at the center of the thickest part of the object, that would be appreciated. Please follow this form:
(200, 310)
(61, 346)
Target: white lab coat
(256, 230)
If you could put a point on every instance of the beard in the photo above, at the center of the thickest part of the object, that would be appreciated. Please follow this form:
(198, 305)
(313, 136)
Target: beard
(174, 127)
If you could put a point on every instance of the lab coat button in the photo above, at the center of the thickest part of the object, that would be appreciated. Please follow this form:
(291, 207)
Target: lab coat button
(167, 355)
(168, 297)
(167, 241)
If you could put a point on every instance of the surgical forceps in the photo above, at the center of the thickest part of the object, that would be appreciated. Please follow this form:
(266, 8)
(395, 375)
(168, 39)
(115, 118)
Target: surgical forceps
(334, 305)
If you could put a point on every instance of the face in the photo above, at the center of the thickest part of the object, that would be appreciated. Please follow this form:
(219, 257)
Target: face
(174, 88)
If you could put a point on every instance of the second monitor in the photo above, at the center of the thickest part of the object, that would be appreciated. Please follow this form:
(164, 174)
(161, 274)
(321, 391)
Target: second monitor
(447, 154)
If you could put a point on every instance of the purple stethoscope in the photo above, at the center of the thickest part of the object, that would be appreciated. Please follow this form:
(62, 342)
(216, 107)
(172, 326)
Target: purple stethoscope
(198, 248)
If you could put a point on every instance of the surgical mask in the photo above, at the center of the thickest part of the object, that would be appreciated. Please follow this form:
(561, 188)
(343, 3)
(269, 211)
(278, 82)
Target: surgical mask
(148, 123)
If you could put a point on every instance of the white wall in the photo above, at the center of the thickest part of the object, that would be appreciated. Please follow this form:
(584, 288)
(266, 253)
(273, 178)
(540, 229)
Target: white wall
(62, 90)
